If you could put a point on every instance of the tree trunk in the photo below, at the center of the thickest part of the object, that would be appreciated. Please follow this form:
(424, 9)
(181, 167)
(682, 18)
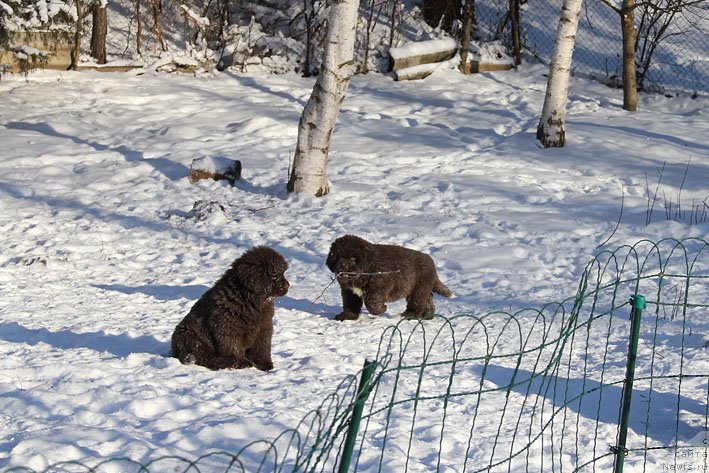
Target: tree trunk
(76, 50)
(393, 23)
(308, 20)
(368, 33)
(139, 26)
(309, 173)
(465, 37)
(516, 35)
(99, 29)
(157, 30)
(630, 85)
(551, 130)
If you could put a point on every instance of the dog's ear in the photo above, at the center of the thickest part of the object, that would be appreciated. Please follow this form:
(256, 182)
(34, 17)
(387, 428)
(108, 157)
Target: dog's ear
(274, 265)
(332, 259)
(330, 263)
(261, 269)
(362, 249)
(248, 272)
(252, 275)
(366, 254)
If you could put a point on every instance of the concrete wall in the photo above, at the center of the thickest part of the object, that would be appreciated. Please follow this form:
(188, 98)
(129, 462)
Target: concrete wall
(58, 45)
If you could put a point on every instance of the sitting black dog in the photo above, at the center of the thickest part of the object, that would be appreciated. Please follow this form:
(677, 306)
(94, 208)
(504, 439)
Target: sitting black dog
(231, 325)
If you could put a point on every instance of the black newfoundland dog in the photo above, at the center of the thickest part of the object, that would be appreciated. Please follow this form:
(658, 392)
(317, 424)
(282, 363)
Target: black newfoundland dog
(231, 325)
(376, 274)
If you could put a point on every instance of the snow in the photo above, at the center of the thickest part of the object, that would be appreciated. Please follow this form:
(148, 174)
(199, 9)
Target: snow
(25, 52)
(7, 8)
(213, 164)
(200, 21)
(422, 48)
(102, 256)
(423, 70)
(490, 53)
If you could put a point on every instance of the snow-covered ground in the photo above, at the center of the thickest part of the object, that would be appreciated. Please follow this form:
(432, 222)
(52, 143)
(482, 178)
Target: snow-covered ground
(106, 244)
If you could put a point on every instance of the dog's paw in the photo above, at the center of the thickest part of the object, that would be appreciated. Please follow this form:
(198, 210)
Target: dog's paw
(346, 316)
(230, 363)
(375, 308)
(264, 366)
(188, 359)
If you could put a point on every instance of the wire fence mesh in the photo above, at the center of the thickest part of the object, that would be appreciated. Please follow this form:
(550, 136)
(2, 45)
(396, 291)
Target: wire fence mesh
(677, 61)
(540, 390)
(672, 40)
(671, 52)
(535, 390)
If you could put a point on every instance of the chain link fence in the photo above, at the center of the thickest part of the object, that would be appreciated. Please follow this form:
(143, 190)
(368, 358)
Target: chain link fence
(672, 45)
(672, 36)
(673, 40)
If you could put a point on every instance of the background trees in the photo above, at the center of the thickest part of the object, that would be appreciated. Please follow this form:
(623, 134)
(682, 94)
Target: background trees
(282, 36)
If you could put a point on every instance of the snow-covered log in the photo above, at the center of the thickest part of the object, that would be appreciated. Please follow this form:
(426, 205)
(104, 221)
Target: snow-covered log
(423, 52)
(490, 56)
(417, 72)
(215, 168)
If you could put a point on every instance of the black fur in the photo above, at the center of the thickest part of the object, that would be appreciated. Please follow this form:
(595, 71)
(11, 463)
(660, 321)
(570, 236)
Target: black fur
(373, 275)
(231, 325)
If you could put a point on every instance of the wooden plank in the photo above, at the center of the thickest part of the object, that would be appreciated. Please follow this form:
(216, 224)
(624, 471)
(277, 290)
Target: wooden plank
(476, 66)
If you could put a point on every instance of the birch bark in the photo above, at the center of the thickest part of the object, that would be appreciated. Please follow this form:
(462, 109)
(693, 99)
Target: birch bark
(551, 131)
(317, 123)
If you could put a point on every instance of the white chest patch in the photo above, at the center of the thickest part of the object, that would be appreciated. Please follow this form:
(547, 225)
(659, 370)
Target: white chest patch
(359, 292)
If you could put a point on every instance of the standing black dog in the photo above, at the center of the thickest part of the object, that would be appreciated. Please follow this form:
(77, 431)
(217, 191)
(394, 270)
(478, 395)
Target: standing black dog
(231, 325)
(376, 274)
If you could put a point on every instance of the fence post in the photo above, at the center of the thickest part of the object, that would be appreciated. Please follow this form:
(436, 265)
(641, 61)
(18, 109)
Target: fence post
(637, 304)
(365, 387)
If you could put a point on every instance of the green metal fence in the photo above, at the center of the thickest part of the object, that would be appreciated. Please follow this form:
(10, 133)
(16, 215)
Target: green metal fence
(615, 377)
(543, 390)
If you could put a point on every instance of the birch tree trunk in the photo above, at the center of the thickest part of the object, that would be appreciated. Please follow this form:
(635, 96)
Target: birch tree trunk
(551, 130)
(309, 173)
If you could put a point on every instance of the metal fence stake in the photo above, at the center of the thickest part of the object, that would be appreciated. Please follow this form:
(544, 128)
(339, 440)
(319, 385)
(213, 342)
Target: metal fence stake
(365, 386)
(637, 303)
